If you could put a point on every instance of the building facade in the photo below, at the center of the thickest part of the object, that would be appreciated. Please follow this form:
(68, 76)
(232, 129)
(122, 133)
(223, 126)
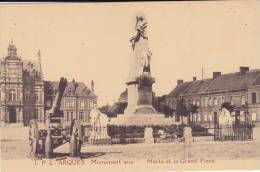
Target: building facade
(21, 89)
(241, 89)
(77, 101)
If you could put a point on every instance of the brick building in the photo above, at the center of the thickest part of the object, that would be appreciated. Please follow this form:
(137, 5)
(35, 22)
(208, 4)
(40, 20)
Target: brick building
(21, 89)
(241, 89)
(77, 102)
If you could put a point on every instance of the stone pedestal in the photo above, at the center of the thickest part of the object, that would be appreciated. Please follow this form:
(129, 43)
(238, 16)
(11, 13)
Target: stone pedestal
(140, 95)
(148, 135)
(152, 119)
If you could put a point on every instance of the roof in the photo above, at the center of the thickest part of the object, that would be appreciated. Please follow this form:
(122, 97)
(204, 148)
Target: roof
(225, 82)
(80, 88)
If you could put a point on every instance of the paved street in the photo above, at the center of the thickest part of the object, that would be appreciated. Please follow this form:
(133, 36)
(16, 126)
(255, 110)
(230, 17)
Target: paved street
(14, 145)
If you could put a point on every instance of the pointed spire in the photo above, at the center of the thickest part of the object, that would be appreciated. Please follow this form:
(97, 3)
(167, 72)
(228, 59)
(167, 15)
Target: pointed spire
(40, 62)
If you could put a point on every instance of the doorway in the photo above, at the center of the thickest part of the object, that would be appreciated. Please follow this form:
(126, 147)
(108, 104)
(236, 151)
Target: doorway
(12, 115)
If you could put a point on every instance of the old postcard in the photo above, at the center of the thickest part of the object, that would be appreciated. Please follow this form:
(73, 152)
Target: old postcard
(130, 86)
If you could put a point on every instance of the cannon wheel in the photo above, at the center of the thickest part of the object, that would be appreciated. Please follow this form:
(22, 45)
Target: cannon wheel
(33, 138)
(76, 138)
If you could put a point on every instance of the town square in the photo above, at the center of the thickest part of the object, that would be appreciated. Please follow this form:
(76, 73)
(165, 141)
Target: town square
(156, 83)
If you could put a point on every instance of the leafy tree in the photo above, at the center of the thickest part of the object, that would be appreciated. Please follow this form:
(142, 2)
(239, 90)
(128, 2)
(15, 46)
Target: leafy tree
(167, 110)
(106, 110)
(228, 106)
(112, 111)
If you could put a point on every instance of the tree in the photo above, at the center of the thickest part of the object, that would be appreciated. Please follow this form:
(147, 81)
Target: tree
(118, 108)
(112, 111)
(106, 110)
(228, 106)
(167, 110)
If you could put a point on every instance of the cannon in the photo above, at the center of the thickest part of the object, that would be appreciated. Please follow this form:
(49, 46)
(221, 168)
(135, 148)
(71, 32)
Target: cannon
(45, 136)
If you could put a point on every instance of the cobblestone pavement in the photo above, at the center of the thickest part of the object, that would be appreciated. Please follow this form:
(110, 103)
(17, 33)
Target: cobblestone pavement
(14, 145)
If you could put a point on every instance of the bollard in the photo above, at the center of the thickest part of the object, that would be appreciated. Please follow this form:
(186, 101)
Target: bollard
(48, 145)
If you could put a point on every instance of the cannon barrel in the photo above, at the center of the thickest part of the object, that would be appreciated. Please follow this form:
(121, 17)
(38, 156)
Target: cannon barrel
(59, 94)
(55, 109)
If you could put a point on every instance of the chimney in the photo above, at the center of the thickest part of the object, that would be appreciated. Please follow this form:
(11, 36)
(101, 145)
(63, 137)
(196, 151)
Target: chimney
(73, 86)
(179, 81)
(194, 78)
(216, 74)
(243, 69)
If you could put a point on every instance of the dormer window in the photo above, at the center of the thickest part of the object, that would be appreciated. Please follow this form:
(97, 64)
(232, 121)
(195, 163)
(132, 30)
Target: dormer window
(69, 91)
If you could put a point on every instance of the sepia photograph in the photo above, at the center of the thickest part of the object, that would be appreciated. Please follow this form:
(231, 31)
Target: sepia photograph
(130, 86)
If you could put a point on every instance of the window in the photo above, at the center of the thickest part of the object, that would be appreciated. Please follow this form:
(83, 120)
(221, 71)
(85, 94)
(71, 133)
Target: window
(70, 104)
(35, 114)
(243, 100)
(68, 116)
(206, 102)
(27, 95)
(193, 102)
(174, 102)
(242, 116)
(41, 97)
(69, 91)
(198, 102)
(81, 115)
(253, 97)
(232, 100)
(12, 95)
(215, 101)
(223, 99)
(253, 116)
(81, 104)
(17, 95)
(210, 102)
(198, 117)
(205, 117)
(90, 104)
(209, 117)
(2, 96)
(71, 116)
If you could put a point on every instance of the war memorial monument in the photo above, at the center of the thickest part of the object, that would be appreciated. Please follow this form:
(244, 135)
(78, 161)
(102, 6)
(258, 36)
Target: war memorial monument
(139, 111)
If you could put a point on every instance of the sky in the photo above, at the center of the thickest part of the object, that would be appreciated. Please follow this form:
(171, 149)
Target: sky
(91, 41)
